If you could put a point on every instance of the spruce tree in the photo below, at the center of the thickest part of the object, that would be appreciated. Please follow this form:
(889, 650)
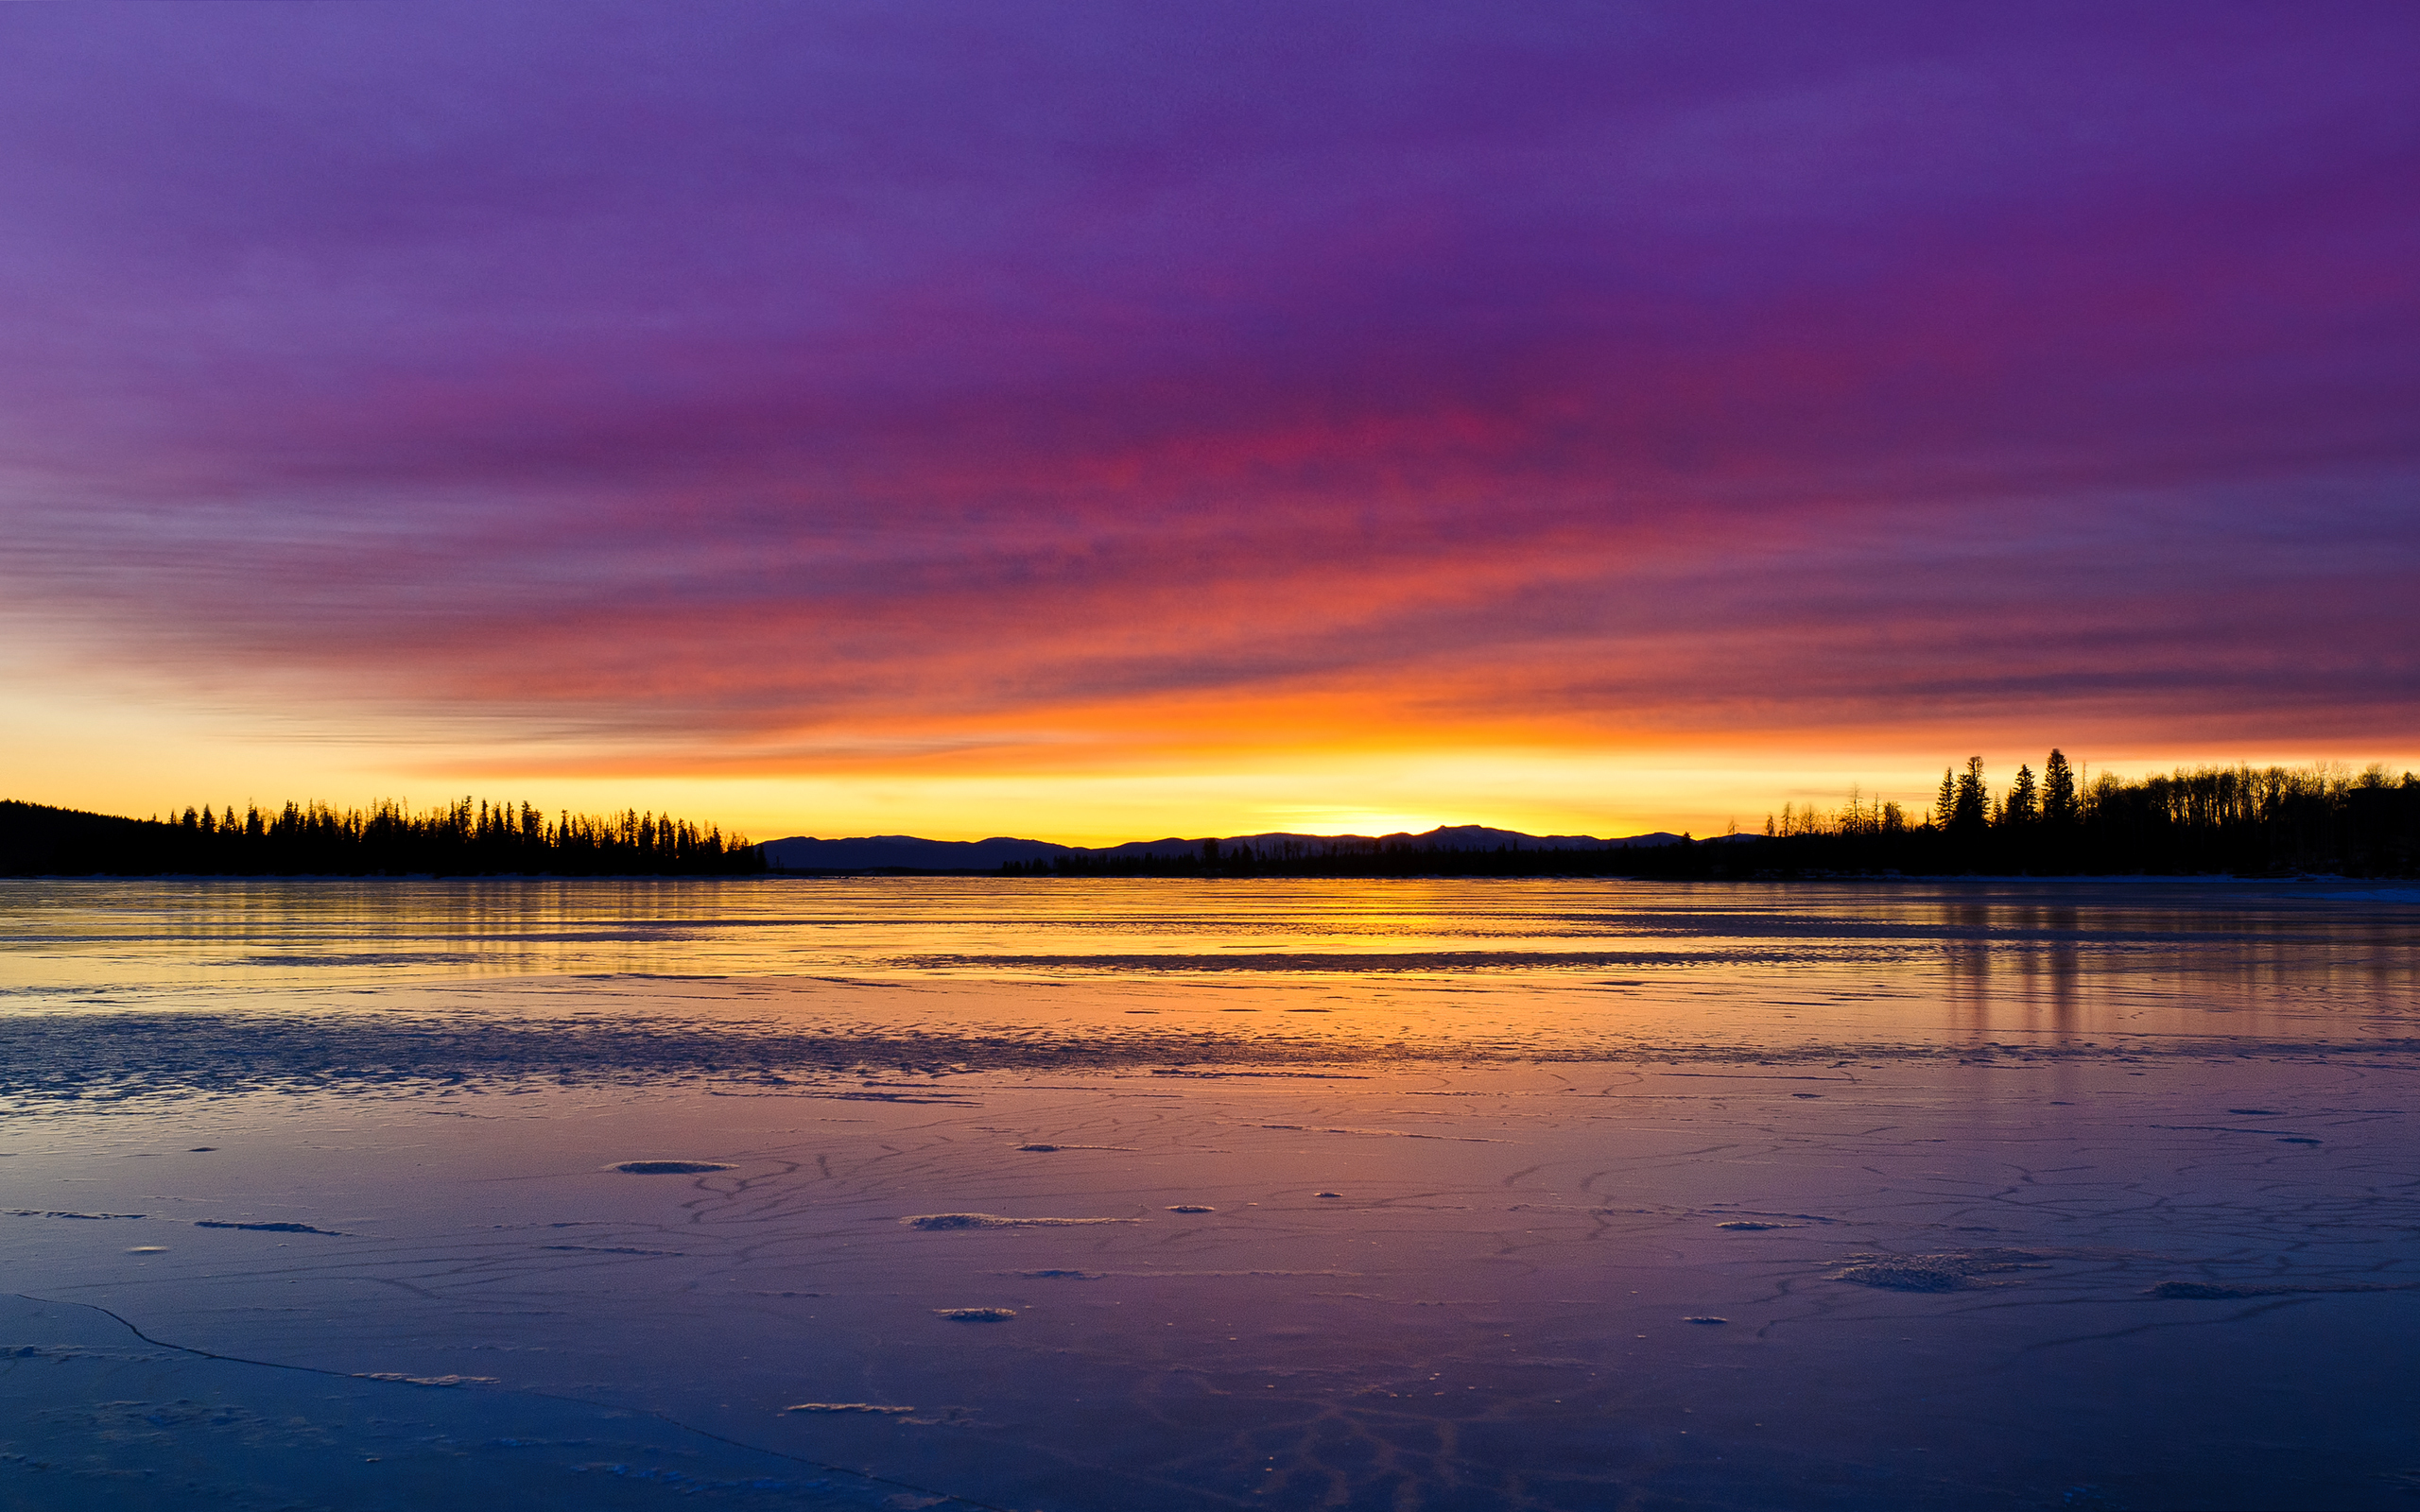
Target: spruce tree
(2058, 790)
(2022, 810)
(1971, 805)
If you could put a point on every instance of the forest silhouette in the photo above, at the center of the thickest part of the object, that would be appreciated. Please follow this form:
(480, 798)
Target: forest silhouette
(461, 838)
(2237, 820)
(2234, 820)
(2244, 821)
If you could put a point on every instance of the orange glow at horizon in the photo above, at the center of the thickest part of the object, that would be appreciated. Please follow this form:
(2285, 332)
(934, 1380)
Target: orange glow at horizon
(80, 751)
(1569, 426)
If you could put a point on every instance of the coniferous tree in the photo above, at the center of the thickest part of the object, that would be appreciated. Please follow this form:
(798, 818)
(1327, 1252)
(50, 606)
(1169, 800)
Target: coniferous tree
(1971, 805)
(2058, 791)
(1944, 808)
(2022, 809)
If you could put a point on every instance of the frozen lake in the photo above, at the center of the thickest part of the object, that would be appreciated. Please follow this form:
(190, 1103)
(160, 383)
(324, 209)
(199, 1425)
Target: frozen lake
(1108, 1196)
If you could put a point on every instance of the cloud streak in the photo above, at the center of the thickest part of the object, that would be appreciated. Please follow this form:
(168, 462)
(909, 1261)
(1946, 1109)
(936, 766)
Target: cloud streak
(800, 387)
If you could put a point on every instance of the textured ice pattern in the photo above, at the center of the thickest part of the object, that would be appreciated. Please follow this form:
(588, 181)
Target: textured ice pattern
(1856, 1197)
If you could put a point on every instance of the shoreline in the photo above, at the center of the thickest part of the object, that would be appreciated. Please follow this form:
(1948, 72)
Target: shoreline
(1792, 876)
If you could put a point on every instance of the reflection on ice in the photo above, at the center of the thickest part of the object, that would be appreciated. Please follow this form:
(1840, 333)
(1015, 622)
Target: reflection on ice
(882, 1195)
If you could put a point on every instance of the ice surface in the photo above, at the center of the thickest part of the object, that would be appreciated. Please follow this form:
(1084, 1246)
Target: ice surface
(1504, 1235)
(97, 1416)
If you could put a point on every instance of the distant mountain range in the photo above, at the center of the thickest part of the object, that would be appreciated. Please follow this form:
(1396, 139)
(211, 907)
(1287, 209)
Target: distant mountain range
(907, 853)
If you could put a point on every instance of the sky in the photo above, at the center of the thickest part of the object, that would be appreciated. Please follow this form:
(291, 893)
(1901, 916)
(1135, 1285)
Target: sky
(1101, 422)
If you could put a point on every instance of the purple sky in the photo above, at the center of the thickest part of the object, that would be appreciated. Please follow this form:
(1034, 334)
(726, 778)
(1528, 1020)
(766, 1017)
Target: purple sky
(840, 394)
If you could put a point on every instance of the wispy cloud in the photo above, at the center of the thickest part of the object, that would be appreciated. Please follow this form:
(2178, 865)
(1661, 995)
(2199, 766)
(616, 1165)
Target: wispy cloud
(742, 388)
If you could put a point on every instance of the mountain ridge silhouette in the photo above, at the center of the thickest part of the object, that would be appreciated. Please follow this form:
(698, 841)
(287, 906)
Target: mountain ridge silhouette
(907, 852)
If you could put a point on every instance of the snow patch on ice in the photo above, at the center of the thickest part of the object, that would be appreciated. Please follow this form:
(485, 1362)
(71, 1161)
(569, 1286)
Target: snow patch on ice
(936, 1221)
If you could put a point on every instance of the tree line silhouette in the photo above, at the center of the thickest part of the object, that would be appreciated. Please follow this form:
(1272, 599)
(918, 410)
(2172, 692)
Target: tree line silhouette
(2241, 821)
(2244, 820)
(461, 838)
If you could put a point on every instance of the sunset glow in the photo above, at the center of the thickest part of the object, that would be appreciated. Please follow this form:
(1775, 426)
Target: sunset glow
(1096, 423)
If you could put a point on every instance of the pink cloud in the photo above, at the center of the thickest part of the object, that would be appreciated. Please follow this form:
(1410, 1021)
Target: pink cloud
(778, 377)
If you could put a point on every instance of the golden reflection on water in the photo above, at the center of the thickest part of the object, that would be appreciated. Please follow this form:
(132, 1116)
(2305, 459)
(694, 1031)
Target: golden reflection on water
(1558, 968)
(384, 1131)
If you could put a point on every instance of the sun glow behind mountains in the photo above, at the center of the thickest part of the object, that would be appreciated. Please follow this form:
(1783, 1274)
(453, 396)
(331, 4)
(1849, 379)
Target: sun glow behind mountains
(1107, 423)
